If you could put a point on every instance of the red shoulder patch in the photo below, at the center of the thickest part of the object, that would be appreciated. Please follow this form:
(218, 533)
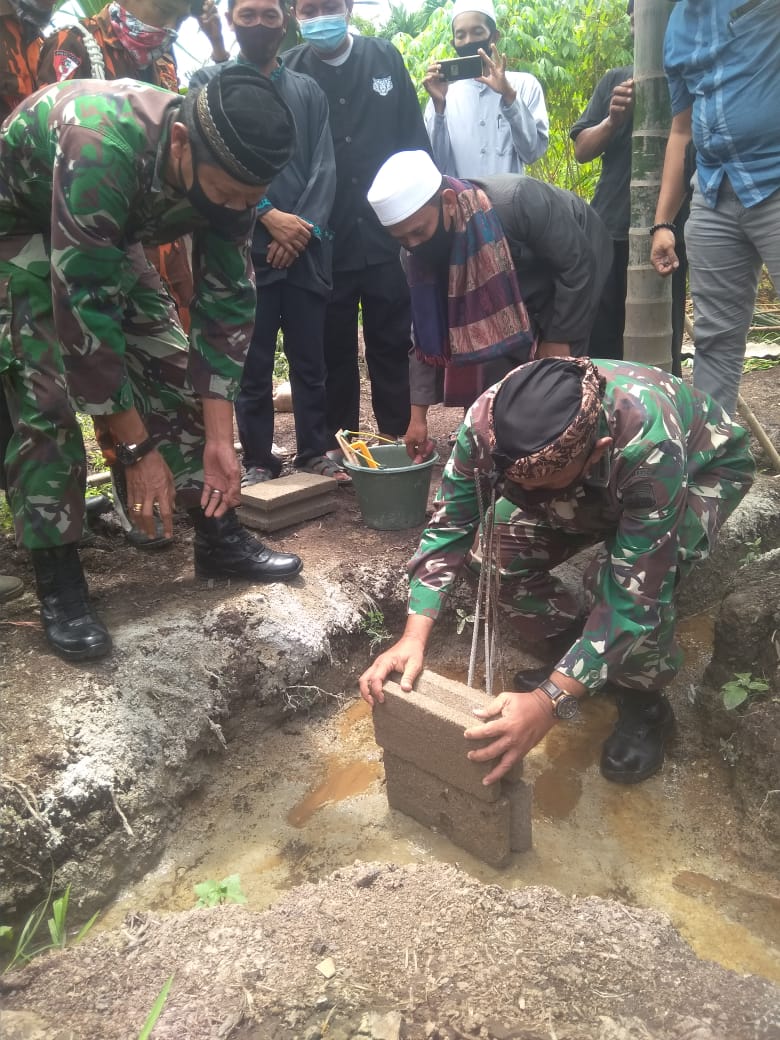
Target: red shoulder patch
(65, 64)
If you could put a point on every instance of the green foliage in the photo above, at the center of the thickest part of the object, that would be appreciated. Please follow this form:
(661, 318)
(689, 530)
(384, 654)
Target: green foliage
(281, 364)
(6, 517)
(89, 7)
(464, 618)
(156, 1011)
(753, 551)
(373, 624)
(26, 948)
(741, 687)
(760, 364)
(568, 47)
(213, 893)
(765, 327)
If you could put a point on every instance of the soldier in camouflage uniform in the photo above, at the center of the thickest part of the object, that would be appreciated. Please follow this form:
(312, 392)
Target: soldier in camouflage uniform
(21, 38)
(89, 173)
(129, 41)
(623, 455)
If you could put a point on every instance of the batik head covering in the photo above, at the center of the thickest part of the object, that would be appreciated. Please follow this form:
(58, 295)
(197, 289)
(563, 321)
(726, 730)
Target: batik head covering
(244, 122)
(544, 415)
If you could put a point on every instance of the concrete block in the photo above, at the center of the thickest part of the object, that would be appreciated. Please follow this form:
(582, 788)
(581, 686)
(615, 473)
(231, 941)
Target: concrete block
(481, 828)
(520, 797)
(426, 725)
(274, 504)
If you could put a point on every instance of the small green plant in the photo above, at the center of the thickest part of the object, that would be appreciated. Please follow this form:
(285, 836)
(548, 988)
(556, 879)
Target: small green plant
(759, 364)
(728, 752)
(156, 1011)
(6, 517)
(753, 551)
(464, 618)
(373, 624)
(281, 364)
(740, 688)
(214, 893)
(25, 947)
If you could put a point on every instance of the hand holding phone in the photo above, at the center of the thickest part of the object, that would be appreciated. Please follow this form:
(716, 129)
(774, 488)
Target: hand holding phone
(453, 69)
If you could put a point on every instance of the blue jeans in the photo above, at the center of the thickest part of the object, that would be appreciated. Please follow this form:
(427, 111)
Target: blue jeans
(726, 248)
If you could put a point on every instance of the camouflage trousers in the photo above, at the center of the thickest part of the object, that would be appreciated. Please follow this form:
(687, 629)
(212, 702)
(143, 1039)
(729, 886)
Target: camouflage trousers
(45, 460)
(532, 541)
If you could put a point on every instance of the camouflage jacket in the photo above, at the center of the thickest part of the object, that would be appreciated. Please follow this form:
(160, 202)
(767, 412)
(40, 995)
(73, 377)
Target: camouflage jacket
(65, 56)
(82, 181)
(20, 46)
(667, 438)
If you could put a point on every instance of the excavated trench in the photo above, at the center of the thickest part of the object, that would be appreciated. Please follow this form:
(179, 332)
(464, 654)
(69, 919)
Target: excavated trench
(227, 738)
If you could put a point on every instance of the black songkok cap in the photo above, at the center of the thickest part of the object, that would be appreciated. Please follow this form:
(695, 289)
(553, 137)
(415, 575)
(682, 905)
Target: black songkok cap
(535, 405)
(245, 123)
(544, 415)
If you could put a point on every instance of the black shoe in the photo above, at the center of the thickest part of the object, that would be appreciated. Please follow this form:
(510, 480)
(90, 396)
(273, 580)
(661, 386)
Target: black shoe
(635, 748)
(225, 549)
(97, 505)
(69, 622)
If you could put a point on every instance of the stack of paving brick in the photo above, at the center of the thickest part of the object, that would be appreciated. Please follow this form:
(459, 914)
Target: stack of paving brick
(430, 779)
(274, 504)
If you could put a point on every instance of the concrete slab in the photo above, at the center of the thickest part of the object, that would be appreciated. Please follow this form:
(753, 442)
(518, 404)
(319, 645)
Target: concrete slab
(481, 828)
(275, 504)
(276, 494)
(296, 513)
(521, 796)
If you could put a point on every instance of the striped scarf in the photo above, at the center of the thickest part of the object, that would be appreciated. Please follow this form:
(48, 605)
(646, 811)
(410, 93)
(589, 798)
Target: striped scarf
(481, 316)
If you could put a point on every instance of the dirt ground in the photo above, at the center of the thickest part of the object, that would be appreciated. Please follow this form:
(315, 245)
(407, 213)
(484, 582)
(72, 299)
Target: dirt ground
(418, 953)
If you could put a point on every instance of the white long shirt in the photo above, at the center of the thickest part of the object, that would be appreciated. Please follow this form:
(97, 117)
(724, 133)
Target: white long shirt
(477, 135)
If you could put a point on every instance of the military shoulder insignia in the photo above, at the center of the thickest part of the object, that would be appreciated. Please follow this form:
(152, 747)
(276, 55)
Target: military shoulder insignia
(383, 86)
(65, 64)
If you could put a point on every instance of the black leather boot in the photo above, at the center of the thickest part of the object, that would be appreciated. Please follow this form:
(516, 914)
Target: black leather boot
(225, 549)
(69, 621)
(635, 748)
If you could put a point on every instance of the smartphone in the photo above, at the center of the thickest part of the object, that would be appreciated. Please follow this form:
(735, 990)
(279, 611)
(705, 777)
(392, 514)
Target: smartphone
(453, 69)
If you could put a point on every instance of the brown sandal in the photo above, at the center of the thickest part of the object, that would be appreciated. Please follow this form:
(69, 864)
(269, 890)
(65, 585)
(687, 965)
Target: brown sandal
(322, 466)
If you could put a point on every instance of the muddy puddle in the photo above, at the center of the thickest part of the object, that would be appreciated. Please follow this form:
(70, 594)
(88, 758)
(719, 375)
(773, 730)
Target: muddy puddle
(291, 804)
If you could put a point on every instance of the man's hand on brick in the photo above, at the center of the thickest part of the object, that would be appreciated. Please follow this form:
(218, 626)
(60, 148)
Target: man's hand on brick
(405, 656)
(516, 723)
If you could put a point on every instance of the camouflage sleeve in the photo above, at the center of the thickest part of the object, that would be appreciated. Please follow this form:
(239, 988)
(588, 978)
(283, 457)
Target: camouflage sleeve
(222, 314)
(450, 534)
(639, 578)
(93, 183)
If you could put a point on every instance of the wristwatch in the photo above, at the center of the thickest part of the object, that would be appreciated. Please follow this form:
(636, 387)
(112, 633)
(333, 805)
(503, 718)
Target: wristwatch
(564, 705)
(129, 454)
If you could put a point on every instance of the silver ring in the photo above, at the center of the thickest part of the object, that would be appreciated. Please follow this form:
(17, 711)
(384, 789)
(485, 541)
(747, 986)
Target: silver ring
(216, 491)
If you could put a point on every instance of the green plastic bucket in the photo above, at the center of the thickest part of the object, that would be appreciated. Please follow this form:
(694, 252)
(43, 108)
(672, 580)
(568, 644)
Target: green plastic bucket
(394, 497)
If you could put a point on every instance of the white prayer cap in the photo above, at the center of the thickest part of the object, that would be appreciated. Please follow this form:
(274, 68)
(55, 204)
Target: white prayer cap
(481, 6)
(403, 184)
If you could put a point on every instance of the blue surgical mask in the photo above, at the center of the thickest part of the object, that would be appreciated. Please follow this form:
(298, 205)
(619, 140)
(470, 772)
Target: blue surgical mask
(325, 33)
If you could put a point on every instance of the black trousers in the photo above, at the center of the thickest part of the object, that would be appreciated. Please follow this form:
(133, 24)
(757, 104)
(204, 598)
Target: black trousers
(606, 338)
(383, 295)
(301, 316)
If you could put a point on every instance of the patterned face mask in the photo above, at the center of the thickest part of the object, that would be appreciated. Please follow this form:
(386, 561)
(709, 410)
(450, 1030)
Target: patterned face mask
(146, 43)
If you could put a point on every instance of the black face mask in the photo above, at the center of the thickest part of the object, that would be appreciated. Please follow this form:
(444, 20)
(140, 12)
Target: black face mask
(232, 224)
(435, 253)
(470, 50)
(258, 43)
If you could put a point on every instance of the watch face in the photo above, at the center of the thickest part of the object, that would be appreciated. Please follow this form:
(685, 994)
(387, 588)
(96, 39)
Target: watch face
(566, 707)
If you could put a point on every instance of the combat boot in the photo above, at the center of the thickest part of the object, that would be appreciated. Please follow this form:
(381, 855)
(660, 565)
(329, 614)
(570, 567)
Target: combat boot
(69, 621)
(225, 549)
(635, 748)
